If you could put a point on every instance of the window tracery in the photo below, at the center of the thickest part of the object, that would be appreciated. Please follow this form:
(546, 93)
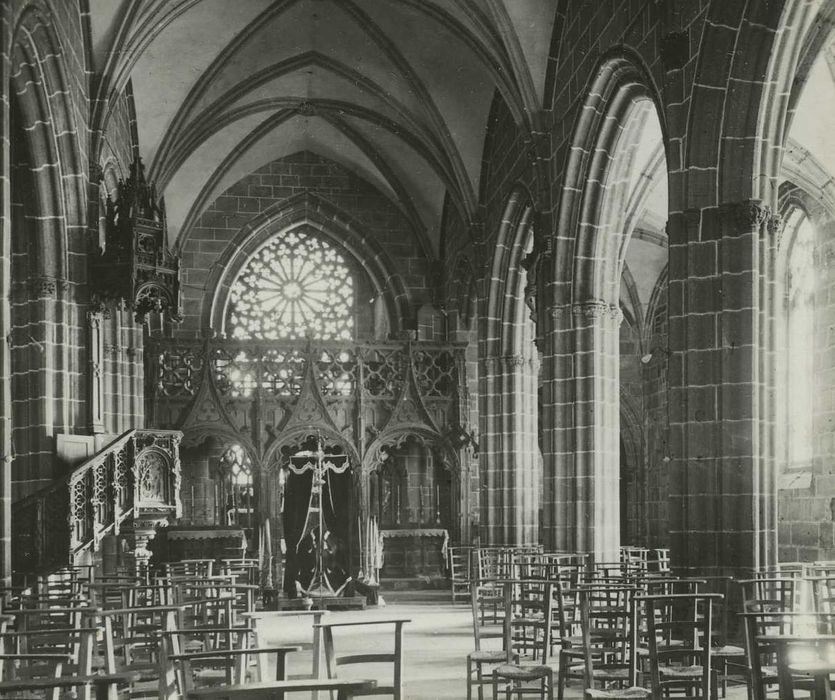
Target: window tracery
(295, 286)
(237, 487)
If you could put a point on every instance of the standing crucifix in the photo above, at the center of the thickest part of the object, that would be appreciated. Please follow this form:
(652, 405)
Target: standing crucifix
(320, 464)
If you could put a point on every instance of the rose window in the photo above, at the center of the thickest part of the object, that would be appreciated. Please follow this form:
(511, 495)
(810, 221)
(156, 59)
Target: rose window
(295, 286)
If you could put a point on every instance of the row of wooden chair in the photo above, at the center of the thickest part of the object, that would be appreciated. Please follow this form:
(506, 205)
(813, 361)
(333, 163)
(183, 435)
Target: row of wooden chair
(609, 642)
(467, 564)
(191, 632)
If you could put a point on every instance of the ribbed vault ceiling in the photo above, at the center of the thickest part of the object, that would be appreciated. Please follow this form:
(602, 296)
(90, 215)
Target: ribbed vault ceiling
(398, 91)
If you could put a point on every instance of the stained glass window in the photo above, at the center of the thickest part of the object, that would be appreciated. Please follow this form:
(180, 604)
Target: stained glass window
(295, 286)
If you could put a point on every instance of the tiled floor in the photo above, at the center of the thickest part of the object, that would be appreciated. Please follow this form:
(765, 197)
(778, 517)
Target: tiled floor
(437, 641)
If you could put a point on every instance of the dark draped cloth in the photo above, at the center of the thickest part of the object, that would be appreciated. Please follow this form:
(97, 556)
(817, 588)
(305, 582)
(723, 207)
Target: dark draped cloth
(301, 536)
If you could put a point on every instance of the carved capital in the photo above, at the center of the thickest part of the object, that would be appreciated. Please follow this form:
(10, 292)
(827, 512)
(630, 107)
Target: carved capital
(560, 312)
(597, 309)
(750, 214)
(489, 363)
(590, 309)
(96, 172)
(513, 361)
(45, 287)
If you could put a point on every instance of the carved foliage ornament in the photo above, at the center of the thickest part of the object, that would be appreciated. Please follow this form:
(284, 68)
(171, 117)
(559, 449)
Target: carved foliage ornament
(750, 214)
(136, 267)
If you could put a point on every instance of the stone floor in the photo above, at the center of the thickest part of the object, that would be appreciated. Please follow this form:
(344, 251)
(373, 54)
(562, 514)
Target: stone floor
(436, 644)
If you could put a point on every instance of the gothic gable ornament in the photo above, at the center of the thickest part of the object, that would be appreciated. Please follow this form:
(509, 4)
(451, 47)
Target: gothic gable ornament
(410, 409)
(310, 410)
(136, 267)
(207, 412)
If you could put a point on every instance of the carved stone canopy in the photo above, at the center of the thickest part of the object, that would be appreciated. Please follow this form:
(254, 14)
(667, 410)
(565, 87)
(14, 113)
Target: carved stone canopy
(136, 268)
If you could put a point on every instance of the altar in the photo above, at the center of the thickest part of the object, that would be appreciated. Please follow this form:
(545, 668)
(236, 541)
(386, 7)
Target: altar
(181, 542)
(410, 553)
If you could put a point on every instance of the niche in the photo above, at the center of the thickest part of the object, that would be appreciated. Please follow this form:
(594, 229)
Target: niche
(410, 487)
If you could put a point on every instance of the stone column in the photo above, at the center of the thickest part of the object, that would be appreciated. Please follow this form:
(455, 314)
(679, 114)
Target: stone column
(722, 492)
(582, 419)
(511, 480)
(5, 306)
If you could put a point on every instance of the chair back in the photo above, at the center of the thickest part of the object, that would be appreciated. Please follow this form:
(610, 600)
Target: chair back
(764, 620)
(609, 630)
(659, 560)
(679, 628)
(460, 570)
(531, 618)
(783, 593)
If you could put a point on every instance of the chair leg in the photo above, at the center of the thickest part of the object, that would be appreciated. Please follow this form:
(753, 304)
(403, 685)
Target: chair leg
(469, 678)
(480, 679)
(561, 677)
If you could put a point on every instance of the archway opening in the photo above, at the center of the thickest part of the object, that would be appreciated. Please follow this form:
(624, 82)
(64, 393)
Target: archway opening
(412, 497)
(804, 313)
(634, 213)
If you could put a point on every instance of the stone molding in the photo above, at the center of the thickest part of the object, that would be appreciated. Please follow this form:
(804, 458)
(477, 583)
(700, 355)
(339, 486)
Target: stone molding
(511, 362)
(593, 309)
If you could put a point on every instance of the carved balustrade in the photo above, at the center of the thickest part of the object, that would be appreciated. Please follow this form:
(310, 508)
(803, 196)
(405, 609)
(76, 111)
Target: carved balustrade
(55, 526)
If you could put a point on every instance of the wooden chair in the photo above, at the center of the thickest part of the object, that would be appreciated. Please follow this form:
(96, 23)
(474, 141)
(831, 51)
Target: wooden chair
(480, 658)
(345, 689)
(193, 568)
(231, 664)
(529, 623)
(811, 672)
(459, 562)
(679, 632)
(136, 633)
(784, 592)
(244, 571)
(45, 654)
(766, 629)
(71, 648)
(725, 654)
(610, 660)
(253, 619)
(609, 613)
(103, 685)
(635, 556)
(659, 560)
(395, 657)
